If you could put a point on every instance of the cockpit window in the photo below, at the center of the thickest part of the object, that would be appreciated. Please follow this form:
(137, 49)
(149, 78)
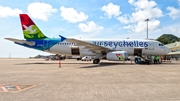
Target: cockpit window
(161, 44)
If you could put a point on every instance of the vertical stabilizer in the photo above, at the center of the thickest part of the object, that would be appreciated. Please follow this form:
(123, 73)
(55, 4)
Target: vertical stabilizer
(30, 30)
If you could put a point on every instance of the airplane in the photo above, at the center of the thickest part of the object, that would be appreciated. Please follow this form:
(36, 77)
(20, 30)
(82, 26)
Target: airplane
(110, 49)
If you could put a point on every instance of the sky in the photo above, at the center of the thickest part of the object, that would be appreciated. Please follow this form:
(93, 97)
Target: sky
(108, 19)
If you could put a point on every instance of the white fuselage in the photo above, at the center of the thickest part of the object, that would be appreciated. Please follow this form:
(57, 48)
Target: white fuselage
(133, 47)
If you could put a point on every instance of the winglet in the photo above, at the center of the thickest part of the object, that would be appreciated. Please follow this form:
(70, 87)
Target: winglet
(62, 38)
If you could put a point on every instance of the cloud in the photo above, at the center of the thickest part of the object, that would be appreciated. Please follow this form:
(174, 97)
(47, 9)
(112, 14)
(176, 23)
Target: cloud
(71, 15)
(9, 12)
(141, 26)
(90, 27)
(143, 9)
(111, 10)
(173, 29)
(144, 4)
(128, 27)
(125, 19)
(40, 10)
(146, 13)
(131, 1)
(173, 12)
(152, 25)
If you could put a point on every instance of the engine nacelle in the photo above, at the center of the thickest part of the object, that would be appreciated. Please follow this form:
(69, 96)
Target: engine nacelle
(117, 55)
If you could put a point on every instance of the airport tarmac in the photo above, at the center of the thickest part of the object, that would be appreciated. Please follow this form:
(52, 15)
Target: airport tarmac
(40, 80)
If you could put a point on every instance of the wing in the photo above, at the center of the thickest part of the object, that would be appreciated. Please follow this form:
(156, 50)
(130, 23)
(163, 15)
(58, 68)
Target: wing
(21, 41)
(90, 46)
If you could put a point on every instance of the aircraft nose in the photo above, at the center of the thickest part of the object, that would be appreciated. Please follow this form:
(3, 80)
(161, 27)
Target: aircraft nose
(167, 50)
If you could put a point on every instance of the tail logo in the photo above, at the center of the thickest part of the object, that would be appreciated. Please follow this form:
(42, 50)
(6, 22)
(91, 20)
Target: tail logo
(30, 30)
(121, 57)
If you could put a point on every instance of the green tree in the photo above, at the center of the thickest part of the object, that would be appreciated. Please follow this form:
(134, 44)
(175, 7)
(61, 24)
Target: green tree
(168, 38)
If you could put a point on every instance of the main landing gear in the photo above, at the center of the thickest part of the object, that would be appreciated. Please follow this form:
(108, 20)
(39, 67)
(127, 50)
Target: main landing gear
(96, 61)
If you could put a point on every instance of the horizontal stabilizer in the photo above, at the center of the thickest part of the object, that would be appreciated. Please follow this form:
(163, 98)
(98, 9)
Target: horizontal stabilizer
(21, 41)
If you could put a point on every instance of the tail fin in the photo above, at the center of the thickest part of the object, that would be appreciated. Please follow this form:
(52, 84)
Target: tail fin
(30, 30)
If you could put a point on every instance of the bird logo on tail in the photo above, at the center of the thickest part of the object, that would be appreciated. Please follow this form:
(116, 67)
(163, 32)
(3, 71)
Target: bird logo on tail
(30, 30)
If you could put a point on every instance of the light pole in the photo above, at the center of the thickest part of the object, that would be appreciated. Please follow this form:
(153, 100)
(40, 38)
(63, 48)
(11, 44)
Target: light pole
(147, 27)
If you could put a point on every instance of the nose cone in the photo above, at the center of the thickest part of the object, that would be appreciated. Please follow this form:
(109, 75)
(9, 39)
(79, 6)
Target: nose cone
(167, 50)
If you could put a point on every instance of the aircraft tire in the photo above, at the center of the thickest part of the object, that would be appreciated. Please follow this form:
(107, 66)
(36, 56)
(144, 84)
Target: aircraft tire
(96, 61)
(136, 61)
(148, 63)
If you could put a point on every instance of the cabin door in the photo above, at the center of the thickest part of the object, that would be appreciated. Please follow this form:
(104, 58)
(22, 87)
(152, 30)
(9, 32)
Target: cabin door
(137, 52)
(75, 51)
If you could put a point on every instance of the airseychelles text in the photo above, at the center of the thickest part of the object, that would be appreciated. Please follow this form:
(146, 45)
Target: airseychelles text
(123, 43)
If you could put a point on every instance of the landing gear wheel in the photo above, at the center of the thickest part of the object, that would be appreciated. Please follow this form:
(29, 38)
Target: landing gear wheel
(96, 61)
(148, 62)
(136, 60)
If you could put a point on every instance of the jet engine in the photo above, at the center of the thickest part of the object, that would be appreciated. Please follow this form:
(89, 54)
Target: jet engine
(117, 55)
